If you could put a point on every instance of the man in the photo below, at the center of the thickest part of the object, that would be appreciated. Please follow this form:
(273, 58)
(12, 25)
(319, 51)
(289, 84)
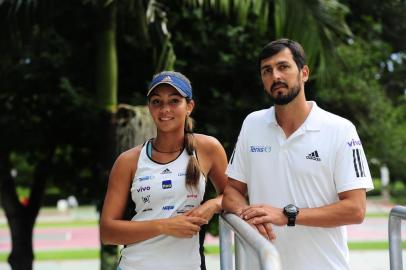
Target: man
(304, 169)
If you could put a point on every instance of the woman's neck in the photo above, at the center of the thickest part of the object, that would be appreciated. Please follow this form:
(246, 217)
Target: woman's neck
(168, 142)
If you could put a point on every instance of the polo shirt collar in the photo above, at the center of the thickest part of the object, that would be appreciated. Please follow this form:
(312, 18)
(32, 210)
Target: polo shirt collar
(312, 121)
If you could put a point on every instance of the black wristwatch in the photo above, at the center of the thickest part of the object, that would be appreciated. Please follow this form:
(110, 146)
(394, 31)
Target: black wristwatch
(291, 212)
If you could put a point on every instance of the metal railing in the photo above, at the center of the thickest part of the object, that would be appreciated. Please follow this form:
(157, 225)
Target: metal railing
(395, 237)
(252, 251)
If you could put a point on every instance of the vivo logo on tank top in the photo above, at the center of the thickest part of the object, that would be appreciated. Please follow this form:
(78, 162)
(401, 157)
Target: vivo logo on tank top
(142, 189)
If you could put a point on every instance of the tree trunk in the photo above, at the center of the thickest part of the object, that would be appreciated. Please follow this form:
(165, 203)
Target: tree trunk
(21, 219)
(22, 253)
(106, 59)
(106, 97)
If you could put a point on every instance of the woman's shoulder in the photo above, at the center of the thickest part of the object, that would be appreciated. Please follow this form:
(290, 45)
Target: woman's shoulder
(207, 142)
(130, 156)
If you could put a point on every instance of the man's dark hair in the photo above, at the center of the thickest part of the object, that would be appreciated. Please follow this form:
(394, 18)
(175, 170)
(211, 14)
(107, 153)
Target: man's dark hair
(276, 46)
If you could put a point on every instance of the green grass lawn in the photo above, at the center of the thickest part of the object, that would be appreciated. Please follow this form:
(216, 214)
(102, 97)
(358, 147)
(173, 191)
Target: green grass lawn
(76, 254)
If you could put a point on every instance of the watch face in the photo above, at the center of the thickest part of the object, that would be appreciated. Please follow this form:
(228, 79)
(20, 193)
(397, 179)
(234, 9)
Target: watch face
(291, 208)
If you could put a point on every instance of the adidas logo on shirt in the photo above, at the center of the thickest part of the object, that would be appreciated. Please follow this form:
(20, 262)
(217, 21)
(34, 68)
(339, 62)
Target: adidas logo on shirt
(313, 155)
(166, 171)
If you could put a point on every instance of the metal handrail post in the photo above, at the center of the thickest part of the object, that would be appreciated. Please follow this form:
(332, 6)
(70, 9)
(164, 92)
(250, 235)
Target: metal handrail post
(249, 242)
(395, 238)
(226, 243)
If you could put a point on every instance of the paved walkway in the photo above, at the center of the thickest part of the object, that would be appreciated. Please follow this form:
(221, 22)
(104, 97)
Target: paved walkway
(364, 260)
(373, 229)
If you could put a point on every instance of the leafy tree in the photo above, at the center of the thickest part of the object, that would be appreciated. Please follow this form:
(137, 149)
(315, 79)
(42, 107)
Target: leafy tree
(50, 79)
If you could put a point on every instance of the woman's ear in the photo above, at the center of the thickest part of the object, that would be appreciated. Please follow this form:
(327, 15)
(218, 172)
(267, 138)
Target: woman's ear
(190, 106)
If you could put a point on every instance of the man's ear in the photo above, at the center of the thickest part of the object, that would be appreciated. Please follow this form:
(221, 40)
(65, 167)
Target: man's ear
(305, 73)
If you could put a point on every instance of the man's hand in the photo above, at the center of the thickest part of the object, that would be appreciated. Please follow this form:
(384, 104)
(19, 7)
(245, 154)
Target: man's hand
(262, 214)
(265, 230)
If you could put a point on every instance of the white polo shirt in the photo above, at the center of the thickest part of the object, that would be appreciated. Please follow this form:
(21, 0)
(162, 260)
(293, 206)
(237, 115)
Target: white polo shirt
(319, 160)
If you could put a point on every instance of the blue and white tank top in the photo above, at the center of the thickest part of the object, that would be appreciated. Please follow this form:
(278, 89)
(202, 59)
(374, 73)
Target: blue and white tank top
(159, 191)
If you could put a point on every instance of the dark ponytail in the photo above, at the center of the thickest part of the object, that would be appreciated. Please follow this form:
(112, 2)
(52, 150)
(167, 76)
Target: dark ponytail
(193, 168)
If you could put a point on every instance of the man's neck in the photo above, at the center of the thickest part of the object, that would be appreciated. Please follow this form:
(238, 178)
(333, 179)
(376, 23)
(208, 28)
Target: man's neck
(291, 116)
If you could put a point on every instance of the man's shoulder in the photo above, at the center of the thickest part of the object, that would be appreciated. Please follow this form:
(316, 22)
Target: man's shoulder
(333, 120)
(260, 115)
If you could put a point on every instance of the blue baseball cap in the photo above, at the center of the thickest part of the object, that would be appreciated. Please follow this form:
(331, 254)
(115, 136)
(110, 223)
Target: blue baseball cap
(175, 79)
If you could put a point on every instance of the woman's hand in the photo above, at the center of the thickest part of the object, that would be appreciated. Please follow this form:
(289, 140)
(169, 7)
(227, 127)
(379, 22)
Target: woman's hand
(206, 210)
(183, 226)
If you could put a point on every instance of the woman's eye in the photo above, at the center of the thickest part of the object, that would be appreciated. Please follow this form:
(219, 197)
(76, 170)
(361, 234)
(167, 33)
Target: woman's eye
(155, 102)
(175, 101)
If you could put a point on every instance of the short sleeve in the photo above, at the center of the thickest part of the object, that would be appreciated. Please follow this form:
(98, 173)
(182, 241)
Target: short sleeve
(237, 166)
(351, 169)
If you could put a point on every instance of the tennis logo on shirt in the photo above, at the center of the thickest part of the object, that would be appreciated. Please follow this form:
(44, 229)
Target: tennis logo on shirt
(358, 163)
(168, 207)
(166, 184)
(260, 148)
(314, 156)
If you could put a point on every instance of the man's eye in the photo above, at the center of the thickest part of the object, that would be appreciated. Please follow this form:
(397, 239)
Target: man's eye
(267, 71)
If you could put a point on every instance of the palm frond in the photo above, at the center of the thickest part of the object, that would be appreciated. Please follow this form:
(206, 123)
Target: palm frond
(240, 9)
(318, 25)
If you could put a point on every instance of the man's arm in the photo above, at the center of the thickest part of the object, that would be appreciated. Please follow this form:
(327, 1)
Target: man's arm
(234, 200)
(350, 209)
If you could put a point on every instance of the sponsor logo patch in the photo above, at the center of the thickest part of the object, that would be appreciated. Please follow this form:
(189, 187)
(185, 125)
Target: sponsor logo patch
(167, 79)
(167, 184)
(353, 143)
(142, 189)
(166, 171)
(146, 199)
(168, 207)
(260, 148)
(145, 178)
(314, 156)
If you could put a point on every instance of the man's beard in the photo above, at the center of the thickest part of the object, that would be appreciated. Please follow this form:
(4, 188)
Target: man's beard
(287, 98)
(282, 99)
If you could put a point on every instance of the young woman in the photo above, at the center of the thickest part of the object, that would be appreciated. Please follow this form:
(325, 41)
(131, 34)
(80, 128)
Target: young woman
(167, 177)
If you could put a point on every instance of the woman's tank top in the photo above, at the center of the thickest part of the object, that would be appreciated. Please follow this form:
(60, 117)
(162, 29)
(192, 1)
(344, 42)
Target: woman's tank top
(159, 191)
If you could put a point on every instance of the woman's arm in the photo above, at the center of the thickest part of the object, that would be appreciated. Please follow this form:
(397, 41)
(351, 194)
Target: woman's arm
(115, 230)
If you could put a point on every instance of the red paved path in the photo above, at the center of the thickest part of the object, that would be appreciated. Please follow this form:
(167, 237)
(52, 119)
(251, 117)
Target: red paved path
(373, 229)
